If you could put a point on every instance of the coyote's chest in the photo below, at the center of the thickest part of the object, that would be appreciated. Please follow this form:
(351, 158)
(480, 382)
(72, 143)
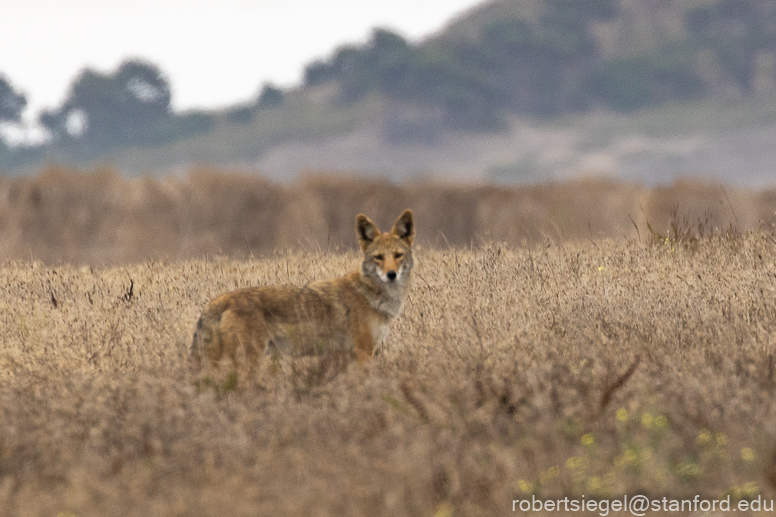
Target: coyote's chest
(389, 302)
(379, 332)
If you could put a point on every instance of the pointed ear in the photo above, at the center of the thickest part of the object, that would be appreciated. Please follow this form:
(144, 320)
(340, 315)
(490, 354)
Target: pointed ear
(405, 227)
(366, 231)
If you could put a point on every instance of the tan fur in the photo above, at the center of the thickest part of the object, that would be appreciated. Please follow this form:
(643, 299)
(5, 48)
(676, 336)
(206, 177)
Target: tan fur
(348, 314)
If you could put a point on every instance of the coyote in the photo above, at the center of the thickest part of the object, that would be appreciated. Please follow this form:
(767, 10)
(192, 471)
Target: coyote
(349, 314)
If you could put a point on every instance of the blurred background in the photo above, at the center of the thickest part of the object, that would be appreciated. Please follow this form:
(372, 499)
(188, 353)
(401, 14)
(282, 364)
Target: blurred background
(123, 121)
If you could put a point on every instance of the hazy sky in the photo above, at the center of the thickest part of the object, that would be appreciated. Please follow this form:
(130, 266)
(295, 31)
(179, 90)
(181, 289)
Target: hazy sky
(214, 52)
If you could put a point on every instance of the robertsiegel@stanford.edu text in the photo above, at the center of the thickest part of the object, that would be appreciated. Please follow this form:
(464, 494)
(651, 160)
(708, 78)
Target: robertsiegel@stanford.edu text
(639, 505)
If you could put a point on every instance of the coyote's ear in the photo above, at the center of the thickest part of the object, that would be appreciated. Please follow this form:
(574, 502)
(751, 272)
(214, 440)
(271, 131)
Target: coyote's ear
(366, 231)
(405, 227)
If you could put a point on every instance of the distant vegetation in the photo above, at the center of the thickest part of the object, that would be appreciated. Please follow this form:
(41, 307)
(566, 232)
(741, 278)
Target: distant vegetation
(539, 58)
(558, 56)
(130, 106)
(513, 63)
(99, 217)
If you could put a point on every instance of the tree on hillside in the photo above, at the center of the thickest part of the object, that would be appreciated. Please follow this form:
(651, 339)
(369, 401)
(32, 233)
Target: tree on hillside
(125, 106)
(634, 82)
(389, 64)
(334, 68)
(270, 97)
(535, 65)
(736, 31)
(379, 64)
(382, 65)
(12, 102)
(540, 64)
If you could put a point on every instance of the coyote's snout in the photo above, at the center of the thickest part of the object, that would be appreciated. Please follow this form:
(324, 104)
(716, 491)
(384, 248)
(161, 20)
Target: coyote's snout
(348, 314)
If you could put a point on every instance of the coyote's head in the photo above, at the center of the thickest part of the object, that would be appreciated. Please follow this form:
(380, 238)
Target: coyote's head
(387, 256)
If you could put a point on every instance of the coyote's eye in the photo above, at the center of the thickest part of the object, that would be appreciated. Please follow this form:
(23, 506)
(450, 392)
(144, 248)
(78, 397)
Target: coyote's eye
(398, 255)
(379, 257)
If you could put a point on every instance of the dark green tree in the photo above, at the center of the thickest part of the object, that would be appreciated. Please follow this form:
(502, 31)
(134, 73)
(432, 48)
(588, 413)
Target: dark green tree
(636, 82)
(541, 64)
(12, 102)
(345, 58)
(735, 30)
(270, 97)
(123, 107)
(380, 64)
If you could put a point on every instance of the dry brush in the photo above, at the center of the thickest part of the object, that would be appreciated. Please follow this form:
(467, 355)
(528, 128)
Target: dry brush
(101, 218)
(602, 367)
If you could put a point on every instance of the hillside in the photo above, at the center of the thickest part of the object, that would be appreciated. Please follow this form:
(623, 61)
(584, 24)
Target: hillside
(491, 96)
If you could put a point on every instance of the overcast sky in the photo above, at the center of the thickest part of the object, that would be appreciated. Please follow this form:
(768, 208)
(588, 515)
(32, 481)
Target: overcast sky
(214, 52)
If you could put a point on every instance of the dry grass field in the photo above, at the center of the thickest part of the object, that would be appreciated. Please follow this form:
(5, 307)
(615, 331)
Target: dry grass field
(599, 368)
(558, 360)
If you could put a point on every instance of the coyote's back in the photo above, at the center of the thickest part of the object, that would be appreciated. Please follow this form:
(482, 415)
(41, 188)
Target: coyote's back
(348, 314)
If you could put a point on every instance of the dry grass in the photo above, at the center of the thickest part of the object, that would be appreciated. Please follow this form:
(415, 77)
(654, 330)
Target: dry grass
(603, 367)
(100, 218)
